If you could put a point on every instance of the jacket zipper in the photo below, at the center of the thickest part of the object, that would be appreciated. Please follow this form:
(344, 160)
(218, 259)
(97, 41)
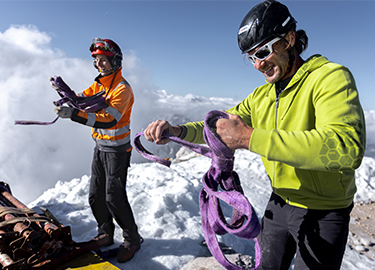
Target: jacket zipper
(277, 107)
(274, 163)
(277, 101)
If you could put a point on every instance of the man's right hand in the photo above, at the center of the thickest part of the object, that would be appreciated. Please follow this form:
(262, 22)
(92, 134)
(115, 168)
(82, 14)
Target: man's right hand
(154, 131)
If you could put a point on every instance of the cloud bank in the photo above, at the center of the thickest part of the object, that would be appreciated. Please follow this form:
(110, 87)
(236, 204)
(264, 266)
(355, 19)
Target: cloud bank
(34, 158)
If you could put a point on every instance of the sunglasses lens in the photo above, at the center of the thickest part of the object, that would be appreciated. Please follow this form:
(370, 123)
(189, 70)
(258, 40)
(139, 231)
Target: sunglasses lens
(263, 53)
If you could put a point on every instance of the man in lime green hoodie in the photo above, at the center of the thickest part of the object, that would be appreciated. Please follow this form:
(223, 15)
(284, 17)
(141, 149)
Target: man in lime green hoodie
(308, 126)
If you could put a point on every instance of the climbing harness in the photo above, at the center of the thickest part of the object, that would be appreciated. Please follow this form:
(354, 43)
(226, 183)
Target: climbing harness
(244, 222)
(89, 104)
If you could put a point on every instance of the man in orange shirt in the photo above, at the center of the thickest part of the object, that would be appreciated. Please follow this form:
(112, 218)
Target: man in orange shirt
(111, 132)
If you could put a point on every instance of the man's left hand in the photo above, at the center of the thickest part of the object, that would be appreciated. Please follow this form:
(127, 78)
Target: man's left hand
(234, 132)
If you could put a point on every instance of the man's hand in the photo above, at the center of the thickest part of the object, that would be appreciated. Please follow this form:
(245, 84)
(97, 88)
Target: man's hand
(154, 131)
(234, 132)
(63, 111)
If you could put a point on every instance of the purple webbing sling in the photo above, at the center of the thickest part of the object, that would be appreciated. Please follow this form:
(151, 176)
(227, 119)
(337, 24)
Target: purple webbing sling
(88, 104)
(244, 222)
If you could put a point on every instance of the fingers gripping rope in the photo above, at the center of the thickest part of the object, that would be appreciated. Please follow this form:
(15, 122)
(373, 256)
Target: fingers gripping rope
(244, 222)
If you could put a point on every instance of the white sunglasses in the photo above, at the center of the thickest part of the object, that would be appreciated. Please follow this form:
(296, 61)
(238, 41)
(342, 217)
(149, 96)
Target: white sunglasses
(263, 52)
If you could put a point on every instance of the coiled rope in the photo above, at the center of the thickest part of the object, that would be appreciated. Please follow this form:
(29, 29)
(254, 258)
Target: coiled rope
(244, 222)
(89, 104)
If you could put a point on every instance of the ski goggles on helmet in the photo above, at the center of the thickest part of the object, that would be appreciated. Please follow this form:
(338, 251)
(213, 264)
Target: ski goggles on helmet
(102, 45)
(263, 52)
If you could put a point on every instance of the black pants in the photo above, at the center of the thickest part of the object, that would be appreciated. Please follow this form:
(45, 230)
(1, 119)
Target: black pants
(107, 196)
(317, 237)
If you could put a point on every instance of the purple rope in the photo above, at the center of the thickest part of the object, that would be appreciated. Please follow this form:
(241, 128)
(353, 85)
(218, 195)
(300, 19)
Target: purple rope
(30, 122)
(244, 222)
(89, 104)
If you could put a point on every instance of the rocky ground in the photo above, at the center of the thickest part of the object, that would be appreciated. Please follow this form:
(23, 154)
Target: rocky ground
(362, 229)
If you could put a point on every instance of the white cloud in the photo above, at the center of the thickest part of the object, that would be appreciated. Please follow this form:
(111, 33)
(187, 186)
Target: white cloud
(27, 38)
(34, 158)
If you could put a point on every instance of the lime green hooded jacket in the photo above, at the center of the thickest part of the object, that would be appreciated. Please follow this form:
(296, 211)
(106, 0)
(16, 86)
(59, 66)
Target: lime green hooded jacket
(311, 138)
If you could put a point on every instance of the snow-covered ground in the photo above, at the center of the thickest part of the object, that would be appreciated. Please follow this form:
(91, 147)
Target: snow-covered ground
(165, 204)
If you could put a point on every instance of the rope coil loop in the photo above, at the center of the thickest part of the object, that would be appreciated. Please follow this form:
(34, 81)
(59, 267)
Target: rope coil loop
(244, 222)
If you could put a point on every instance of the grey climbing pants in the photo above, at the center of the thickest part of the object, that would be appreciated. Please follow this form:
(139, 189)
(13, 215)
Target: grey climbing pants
(317, 238)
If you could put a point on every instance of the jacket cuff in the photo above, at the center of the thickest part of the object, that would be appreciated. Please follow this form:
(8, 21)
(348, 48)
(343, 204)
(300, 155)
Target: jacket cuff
(183, 133)
(77, 118)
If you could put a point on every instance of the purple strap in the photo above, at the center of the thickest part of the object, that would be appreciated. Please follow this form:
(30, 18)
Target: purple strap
(244, 222)
(89, 104)
(30, 122)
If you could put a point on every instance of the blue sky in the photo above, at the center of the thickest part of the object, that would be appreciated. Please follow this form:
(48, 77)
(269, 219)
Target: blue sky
(191, 46)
